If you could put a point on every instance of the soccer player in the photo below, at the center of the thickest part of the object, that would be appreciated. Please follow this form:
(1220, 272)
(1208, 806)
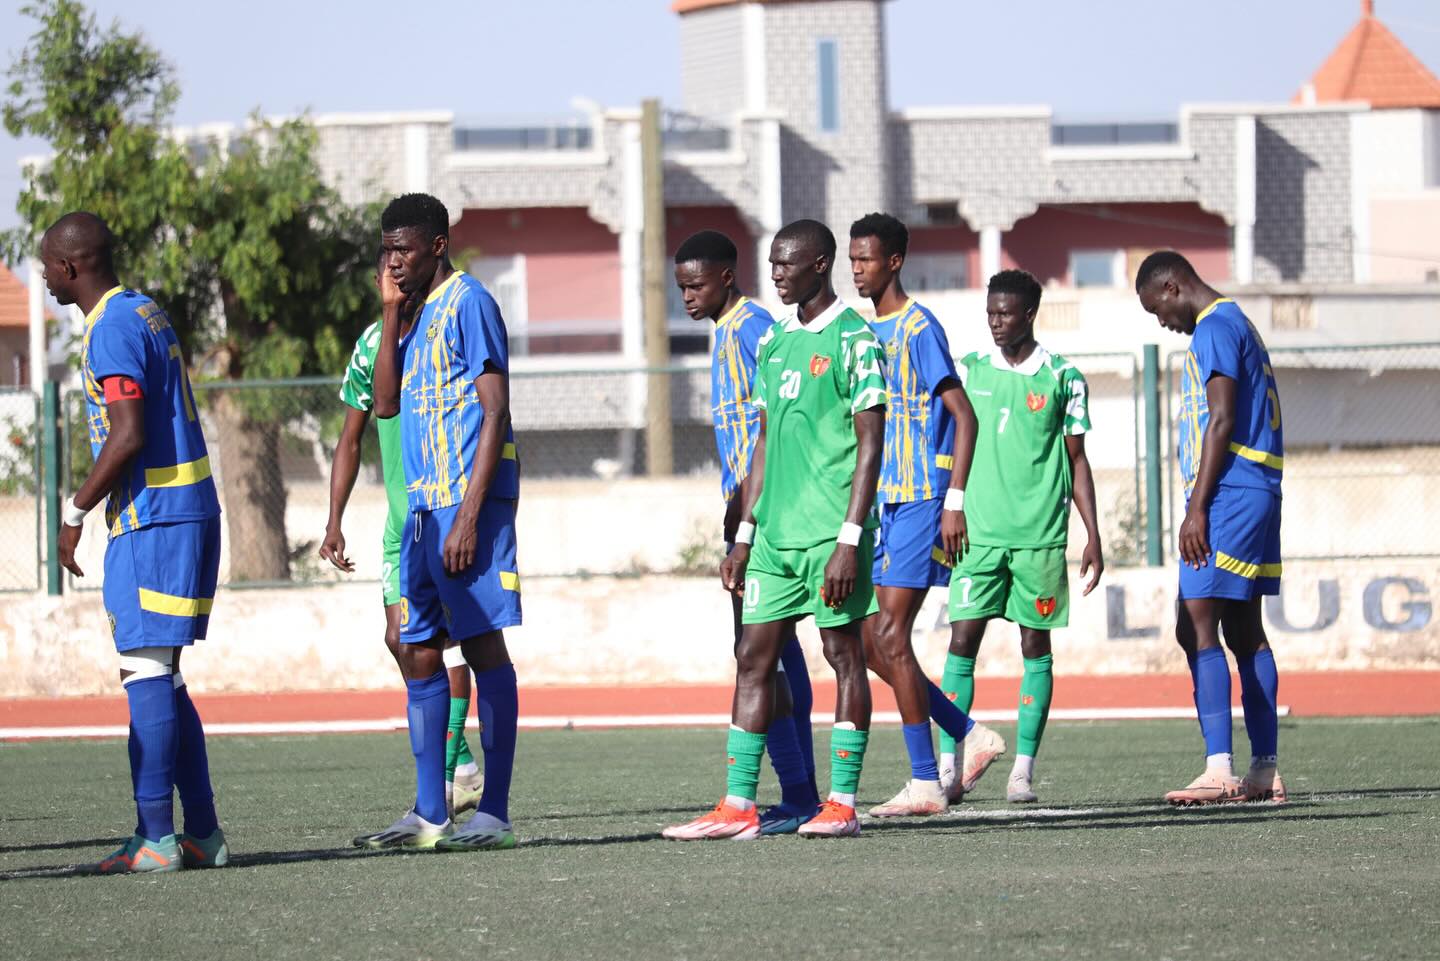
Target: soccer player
(1232, 452)
(163, 556)
(458, 578)
(821, 393)
(1030, 462)
(929, 443)
(462, 774)
(705, 274)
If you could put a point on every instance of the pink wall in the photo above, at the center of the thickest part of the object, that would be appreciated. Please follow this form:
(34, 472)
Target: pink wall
(572, 263)
(958, 239)
(1041, 243)
(681, 222)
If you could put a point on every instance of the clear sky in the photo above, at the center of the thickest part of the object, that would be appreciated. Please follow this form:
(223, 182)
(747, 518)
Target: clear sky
(1090, 60)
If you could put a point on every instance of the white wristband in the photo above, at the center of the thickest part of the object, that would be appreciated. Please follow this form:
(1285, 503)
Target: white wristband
(72, 514)
(954, 499)
(849, 534)
(745, 533)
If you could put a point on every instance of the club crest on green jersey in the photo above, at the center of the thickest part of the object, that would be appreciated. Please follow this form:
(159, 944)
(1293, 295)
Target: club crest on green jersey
(1035, 402)
(819, 364)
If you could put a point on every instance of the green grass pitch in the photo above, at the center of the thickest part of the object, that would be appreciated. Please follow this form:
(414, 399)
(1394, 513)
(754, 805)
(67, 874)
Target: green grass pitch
(1350, 869)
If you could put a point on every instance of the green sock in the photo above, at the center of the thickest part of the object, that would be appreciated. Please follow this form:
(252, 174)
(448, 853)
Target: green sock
(456, 750)
(743, 751)
(847, 755)
(958, 683)
(1036, 688)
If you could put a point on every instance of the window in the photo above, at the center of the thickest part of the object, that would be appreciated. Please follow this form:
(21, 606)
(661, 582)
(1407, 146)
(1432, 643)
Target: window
(924, 272)
(828, 59)
(1097, 268)
(504, 277)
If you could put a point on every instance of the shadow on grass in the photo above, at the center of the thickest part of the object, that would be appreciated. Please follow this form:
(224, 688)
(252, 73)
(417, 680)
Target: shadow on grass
(58, 845)
(254, 860)
(1111, 820)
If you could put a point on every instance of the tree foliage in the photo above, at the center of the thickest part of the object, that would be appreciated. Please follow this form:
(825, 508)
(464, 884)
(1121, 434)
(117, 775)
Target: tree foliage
(264, 270)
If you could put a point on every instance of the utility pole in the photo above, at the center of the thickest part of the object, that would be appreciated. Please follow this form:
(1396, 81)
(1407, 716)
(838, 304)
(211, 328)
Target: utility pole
(659, 437)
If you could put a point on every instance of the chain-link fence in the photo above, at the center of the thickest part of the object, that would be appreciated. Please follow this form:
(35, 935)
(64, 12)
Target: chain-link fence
(19, 490)
(1362, 450)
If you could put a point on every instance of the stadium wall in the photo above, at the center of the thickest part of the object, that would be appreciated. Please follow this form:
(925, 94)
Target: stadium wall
(1333, 615)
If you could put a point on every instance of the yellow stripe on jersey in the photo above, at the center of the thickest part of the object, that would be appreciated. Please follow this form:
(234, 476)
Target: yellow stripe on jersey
(1258, 456)
(1244, 568)
(181, 475)
(510, 580)
(507, 452)
(158, 603)
(944, 462)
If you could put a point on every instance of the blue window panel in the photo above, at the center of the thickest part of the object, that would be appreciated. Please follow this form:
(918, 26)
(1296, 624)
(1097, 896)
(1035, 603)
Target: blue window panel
(828, 59)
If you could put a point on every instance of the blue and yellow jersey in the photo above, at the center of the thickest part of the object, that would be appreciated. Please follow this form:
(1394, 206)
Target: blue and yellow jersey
(919, 431)
(127, 334)
(459, 331)
(1226, 343)
(732, 378)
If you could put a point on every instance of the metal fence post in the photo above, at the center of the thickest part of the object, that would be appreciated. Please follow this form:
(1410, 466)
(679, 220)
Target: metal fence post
(1154, 556)
(50, 452)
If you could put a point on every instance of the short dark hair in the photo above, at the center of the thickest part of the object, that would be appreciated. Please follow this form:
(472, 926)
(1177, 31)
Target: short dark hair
(894, 238)
(810, 232)
(1160, 264)
(708, 247)
(417, 210)
(1021, 283)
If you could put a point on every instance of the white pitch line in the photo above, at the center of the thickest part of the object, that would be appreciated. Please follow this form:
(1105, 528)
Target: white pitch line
(586, 721)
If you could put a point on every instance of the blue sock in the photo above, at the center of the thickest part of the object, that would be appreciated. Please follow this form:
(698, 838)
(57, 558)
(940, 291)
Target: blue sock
(922, 752)
(802, 700)
(153, 736)
(428, 709)
(951, 719)
(192, 769)
(1259, 688)
(498, 703)
(1212, 699)
(783, 745)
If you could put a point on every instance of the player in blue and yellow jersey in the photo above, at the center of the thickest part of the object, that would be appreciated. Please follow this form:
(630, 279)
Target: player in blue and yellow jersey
(1232, 452)
(705, 273)
(458, 578)
(163, 556)
(357, 393)
(929, 444)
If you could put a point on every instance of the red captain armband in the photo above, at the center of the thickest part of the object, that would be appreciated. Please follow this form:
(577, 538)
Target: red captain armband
(121, 387)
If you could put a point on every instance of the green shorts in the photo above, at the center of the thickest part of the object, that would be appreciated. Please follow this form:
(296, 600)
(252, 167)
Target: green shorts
(390, 575)
(781, 584)
(1029, 586)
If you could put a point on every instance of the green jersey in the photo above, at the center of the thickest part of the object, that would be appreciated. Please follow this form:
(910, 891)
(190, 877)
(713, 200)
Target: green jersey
(1018, 494)
(811, 380)
(358, 391)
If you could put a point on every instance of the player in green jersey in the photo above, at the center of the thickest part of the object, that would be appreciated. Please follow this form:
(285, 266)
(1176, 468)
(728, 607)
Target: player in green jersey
(463, 779)
(820, 387)
(1033, 412)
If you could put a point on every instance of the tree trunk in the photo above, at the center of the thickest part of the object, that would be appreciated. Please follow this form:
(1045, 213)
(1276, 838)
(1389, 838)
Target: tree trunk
(249, 452)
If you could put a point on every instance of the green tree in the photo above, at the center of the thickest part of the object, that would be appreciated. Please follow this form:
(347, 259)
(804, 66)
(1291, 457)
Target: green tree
(264, 270)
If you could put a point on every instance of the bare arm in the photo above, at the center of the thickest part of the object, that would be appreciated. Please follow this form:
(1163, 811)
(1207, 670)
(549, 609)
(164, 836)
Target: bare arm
(732, 569)
(387, 357)
(343, 470)
(842, 568)
(1092, 558)
(493, 388)
(1214, 447)
(126, 438)
(953, 532)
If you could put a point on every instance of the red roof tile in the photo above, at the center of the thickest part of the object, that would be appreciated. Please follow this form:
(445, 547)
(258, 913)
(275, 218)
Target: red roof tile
(14, 300)
(1371, 64)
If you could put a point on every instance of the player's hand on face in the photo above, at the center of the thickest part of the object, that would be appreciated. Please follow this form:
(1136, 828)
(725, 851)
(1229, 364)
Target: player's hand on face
(840, 573)
(954, 536)
(459, 551)
(732, 569)
(390, 293)
(69, 540)
(1091, 560)
(1194, 541)
(333, 550)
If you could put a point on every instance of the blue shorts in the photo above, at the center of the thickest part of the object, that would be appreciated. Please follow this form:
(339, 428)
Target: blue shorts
(908, 552)
(160, 583)
(482, 599)
(1244, 534)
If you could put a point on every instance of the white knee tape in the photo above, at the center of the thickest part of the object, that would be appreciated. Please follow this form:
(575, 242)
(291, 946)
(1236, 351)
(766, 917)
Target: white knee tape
(147, 662)
(453, 657)
(177, 680)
